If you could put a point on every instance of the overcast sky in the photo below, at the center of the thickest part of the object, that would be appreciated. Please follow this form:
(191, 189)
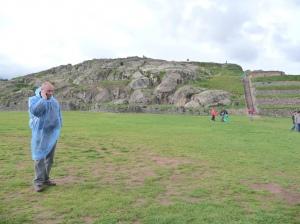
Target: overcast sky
(257, 34)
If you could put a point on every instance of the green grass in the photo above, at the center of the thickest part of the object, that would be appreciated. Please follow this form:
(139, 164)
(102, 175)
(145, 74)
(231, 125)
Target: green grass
(222, 76)
(232, 84)
(277, 78)
(140, 168)
(224, 69)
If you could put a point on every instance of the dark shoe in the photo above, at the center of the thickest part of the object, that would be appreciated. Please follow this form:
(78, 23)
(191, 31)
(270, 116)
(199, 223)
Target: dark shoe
(39, 188)
(50, 183)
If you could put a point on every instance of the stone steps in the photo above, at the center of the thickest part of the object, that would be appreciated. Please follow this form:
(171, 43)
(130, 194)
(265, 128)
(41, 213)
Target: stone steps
(248, 94)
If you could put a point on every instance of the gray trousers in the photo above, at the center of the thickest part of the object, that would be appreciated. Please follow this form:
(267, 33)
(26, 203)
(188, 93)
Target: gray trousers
(42, 168)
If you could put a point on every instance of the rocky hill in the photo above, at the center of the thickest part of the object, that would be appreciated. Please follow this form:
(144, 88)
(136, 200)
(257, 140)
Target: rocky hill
(132, 84)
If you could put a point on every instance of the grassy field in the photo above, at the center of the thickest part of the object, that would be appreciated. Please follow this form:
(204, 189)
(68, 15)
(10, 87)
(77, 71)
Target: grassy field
(139, 168)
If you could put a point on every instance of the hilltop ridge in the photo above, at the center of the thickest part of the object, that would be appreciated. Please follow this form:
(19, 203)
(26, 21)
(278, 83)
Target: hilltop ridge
(132, 84)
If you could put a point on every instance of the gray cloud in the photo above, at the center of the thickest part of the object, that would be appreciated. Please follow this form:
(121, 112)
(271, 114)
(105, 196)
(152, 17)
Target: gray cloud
(246, 32)
(10, 70)
(290, 49)
(243, 51)
(293, 52)
(226, 28)
(216, 25)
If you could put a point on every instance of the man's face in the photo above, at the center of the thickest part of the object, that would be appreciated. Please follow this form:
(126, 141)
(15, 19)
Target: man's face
(48, 90)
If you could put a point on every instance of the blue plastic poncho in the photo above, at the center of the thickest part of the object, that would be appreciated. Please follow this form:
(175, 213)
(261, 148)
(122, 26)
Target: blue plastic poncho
(45, 122)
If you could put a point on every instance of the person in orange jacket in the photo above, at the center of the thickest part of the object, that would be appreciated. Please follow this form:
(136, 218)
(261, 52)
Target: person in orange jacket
(213, 114)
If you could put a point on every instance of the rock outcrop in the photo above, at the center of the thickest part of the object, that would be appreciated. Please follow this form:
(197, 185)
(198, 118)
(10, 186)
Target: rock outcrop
(184, 94)
(143, 84)
(210, 98)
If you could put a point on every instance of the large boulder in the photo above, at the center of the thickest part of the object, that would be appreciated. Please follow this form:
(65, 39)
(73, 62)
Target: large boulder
(192, 104)
(184, 95)
(84, 96)
(139, 83)
(140, 97)
(119, 93)
(154, 78)
(167, 87)
(79, 80)
(169, 83)
(102, 95)
(137, 75)
(212, 98)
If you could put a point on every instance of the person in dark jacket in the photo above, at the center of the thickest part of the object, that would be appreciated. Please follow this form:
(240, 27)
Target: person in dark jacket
(224, 115)
(293, 128)
(297, 121)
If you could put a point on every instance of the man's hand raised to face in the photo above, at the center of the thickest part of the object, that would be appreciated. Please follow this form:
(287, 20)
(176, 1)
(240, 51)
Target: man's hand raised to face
(44, 95)
(47, 90)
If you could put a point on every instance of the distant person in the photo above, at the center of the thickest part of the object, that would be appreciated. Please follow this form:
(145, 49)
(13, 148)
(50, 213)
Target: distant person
(251, 113)
(45, 123)
(297, 121)
(224, 115)
(293, 128)
(213, 114)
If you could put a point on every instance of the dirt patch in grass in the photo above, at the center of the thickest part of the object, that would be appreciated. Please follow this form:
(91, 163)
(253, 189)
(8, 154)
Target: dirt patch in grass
(168, 161)
(47, 216)
(180, 184)
(140, 202)
(173, 193)
(22, 165)
(88, 219)
(289, 196)
(170, 193)
(71, 178)
(66, 180)
(137, 176)
(16, 139)
(165, 201)
(131, 175)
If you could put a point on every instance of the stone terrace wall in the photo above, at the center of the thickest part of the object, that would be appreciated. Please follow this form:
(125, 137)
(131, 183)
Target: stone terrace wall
(280, 99)
(261, 73)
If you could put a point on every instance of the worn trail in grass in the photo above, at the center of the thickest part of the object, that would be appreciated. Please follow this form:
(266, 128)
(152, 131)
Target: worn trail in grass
(139, 168)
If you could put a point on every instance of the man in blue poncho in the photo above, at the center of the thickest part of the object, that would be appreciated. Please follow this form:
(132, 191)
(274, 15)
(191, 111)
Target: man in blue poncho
(45, 123)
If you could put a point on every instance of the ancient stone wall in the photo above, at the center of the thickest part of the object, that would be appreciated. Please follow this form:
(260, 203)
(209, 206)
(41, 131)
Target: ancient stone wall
(260, 73)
